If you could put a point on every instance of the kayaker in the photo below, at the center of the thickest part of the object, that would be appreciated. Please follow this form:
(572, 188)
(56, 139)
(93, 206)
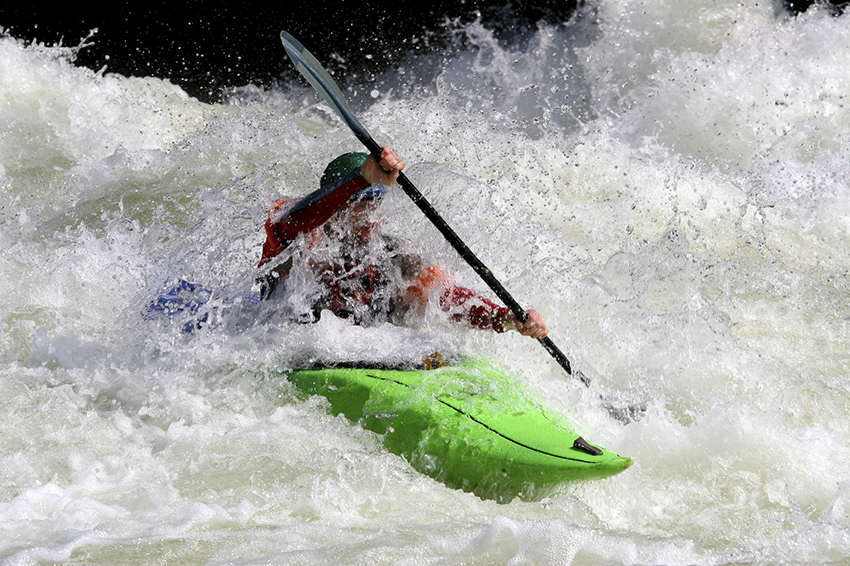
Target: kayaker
(343, 264)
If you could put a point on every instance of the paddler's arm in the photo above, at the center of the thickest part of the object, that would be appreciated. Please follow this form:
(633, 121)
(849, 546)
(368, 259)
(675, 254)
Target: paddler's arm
(307, 214)
(485, 314)
(316, 208)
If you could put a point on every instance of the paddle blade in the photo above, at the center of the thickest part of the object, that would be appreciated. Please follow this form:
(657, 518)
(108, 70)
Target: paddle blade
(322, 82)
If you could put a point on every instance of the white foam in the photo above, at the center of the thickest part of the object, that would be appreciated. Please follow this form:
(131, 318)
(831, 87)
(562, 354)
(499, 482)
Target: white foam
(640, 177)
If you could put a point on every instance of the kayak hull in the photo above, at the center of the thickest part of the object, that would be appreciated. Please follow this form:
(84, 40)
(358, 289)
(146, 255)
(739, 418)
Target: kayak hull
(468, 426)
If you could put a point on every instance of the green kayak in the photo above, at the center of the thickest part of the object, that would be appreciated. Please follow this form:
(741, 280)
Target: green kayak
(468, 426)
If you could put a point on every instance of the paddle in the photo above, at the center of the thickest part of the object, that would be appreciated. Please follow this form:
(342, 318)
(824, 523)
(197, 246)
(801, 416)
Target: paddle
(320, 80)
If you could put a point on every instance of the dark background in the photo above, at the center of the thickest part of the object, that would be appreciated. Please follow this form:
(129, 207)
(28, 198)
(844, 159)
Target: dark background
(205, 47)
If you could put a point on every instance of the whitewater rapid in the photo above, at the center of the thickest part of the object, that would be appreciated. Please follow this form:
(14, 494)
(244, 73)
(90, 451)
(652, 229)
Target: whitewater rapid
(665, 182)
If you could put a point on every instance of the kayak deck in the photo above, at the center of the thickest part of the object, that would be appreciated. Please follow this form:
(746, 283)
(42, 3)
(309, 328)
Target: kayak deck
(466, 425)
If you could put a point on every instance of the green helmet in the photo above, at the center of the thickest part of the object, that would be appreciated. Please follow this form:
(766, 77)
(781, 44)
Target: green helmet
(342, 166)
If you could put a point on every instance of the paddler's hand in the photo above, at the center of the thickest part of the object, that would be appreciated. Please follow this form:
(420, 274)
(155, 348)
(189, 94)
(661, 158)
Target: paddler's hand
(533, 325)
(384, 173)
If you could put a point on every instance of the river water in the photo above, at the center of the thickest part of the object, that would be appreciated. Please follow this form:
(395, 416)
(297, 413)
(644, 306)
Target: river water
(666, 182)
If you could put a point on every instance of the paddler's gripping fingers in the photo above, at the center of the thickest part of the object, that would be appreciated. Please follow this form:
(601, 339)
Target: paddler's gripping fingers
(533, 326)
(384, 173)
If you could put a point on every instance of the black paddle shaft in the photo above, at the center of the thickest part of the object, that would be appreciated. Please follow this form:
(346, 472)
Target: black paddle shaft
(319, 79)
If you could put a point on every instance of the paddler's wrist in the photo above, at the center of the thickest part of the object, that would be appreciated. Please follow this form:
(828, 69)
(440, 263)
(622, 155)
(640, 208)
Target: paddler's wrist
(368, 176)
(359, 176)
(505, 322)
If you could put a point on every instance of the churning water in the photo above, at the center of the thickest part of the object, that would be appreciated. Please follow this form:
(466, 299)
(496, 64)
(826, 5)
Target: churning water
(667, 182)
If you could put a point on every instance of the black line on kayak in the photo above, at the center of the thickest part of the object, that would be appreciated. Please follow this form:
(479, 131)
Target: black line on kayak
(485, 425)
(384, 366)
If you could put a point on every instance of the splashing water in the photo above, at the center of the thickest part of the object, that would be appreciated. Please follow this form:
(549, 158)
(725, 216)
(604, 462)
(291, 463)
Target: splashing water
(665, 182)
